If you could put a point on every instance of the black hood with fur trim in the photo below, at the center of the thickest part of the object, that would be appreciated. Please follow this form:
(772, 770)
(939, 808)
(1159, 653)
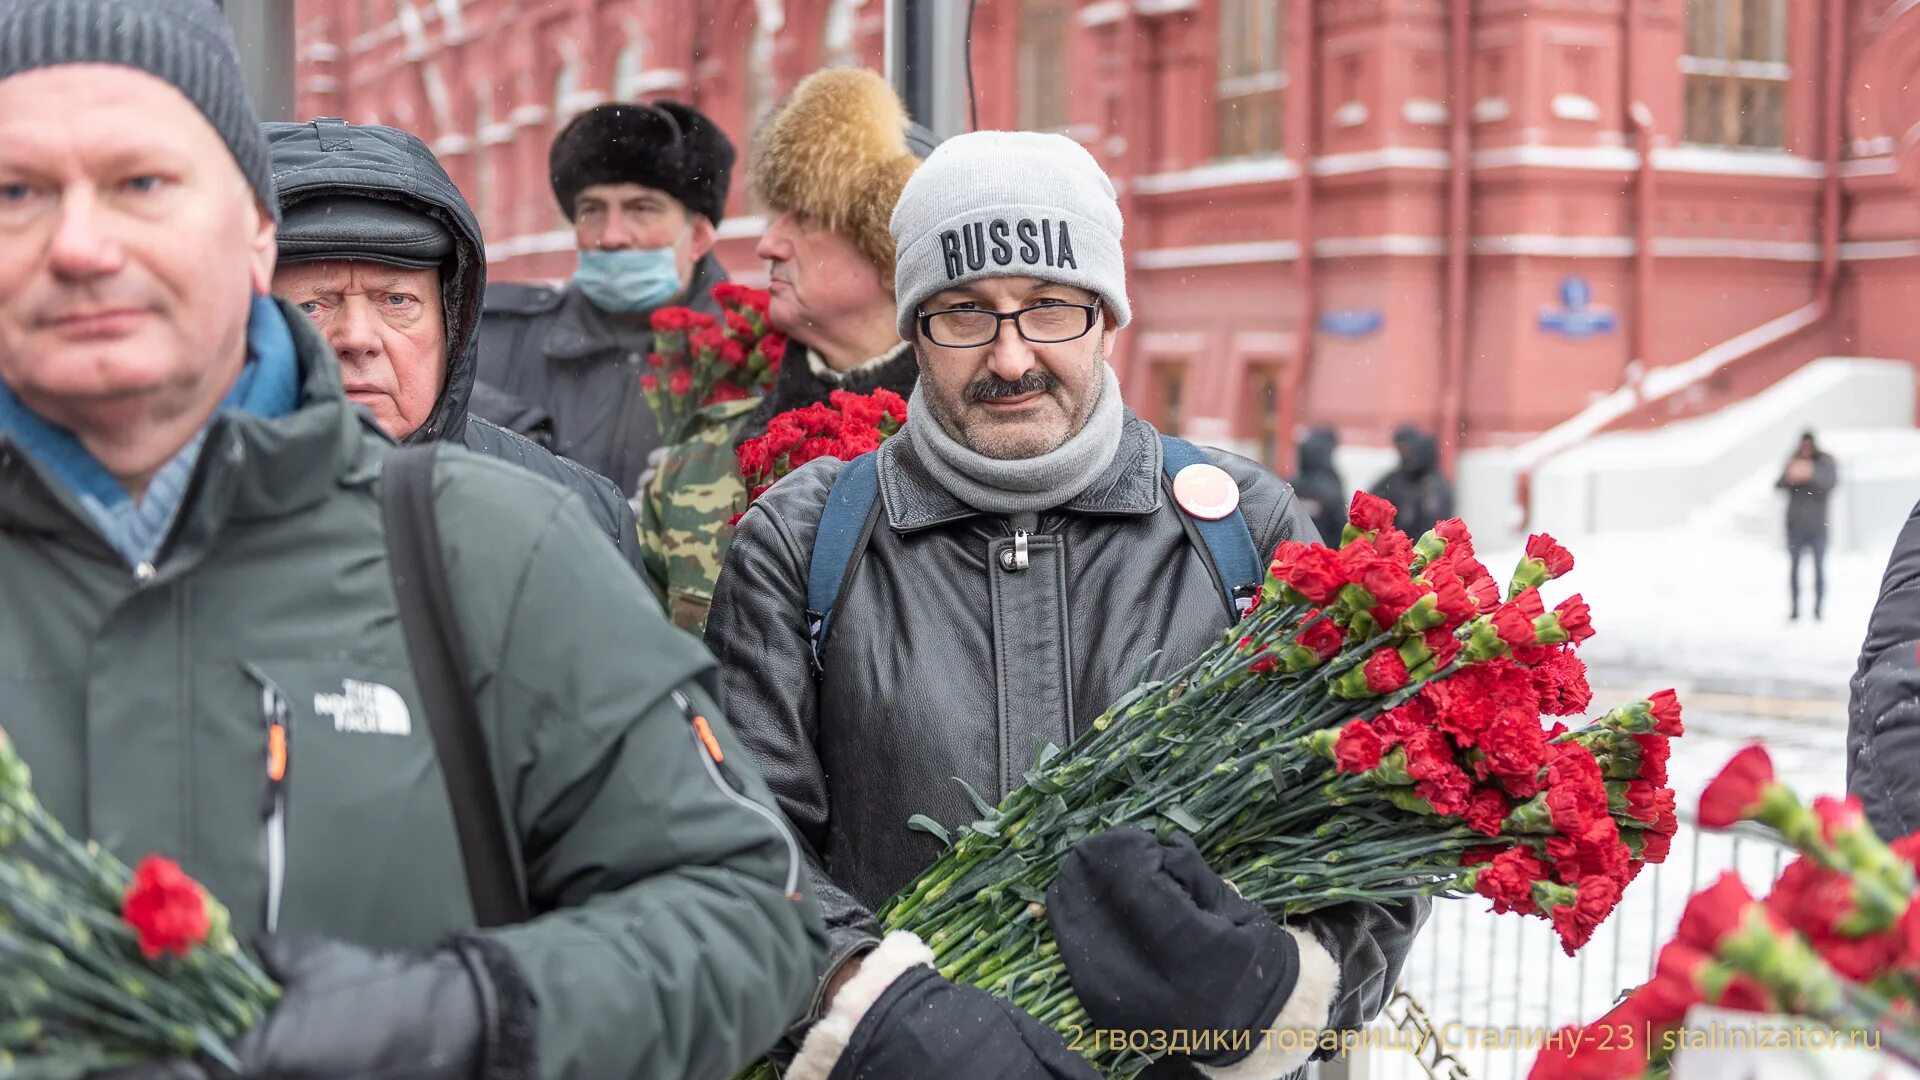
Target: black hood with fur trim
(331, 157)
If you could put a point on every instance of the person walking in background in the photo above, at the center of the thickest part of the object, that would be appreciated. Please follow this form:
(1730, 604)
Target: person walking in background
(1318, 486)
(1810, 476)
(1420, 495)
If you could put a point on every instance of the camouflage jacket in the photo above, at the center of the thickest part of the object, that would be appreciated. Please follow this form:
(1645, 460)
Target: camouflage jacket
(686, 517)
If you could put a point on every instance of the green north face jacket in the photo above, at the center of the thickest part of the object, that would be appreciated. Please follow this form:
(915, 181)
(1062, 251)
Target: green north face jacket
(674, 940)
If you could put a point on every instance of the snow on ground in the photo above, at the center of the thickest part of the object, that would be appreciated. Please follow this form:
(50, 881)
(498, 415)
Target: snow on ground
(1707, 615)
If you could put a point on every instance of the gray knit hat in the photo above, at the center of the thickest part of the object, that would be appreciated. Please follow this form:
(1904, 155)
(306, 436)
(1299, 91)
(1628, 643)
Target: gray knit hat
(185, 42)
(1007, 204)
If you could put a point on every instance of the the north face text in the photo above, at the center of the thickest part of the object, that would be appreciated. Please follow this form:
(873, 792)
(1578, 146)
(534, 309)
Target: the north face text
(970, 247)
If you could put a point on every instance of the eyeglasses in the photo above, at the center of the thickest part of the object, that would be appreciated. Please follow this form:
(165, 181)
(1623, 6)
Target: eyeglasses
(1042, 324)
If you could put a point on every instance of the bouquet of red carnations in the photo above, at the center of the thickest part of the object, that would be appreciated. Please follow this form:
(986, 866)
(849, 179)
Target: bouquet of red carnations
(1371, 731)
(1837, 940)
(101, 966)
(699, 360)
(844, 427)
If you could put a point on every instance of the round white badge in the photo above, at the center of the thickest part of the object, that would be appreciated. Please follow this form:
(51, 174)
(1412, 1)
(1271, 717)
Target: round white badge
(1206, 491)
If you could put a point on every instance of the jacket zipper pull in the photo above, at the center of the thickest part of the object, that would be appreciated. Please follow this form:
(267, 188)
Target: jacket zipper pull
(1014, 559)
(274, 712)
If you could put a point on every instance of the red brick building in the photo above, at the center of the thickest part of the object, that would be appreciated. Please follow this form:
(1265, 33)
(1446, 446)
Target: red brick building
(1345, 210)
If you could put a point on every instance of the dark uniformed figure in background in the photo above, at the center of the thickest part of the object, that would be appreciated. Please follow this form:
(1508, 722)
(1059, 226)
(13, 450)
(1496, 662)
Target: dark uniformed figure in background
(645, 187)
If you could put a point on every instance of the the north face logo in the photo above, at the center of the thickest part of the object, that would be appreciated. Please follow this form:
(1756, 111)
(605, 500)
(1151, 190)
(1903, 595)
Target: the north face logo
(366, 709)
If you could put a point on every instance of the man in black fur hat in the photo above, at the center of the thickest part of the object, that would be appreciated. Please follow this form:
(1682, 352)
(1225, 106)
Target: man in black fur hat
(645, 187)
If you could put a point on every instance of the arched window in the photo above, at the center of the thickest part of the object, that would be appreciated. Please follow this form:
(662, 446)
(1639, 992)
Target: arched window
(837, 47)
(485, 182)
(758, 73)
(1736, 72)
(1043, 74)
(627, 66)
(1252, 72)
(566, 93)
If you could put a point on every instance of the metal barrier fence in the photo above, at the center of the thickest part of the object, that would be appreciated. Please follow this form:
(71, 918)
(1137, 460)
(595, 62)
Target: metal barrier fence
(1480, 993)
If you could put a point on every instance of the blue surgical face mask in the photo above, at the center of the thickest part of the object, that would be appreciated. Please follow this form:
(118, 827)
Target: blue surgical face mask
(630, 281)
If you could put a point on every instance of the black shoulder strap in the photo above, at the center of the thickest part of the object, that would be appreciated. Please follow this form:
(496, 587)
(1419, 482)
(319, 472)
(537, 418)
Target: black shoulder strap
(845, 525)
(435, 646)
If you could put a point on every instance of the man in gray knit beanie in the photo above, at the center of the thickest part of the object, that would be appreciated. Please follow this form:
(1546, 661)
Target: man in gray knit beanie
(984, 585)
(186, 43)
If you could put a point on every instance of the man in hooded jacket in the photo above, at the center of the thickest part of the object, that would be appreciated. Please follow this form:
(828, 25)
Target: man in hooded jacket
(365, 209)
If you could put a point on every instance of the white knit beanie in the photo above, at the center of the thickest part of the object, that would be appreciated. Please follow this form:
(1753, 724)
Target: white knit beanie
(1007, 204)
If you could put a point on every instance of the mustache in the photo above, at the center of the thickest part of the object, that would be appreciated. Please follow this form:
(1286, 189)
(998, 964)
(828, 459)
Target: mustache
(989, 387)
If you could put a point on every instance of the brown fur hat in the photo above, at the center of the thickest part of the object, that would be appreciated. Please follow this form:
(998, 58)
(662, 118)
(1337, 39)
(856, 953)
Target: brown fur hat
(835, 150)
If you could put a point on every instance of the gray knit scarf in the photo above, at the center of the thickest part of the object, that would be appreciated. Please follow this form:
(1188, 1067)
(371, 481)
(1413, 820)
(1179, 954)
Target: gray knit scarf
(1023, 484)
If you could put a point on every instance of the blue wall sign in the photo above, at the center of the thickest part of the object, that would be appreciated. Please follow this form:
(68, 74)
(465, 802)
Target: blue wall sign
(1576, 317)
(1352, 322)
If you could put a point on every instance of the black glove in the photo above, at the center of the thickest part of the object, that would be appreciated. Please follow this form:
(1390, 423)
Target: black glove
(347, 1011)
(1153, 940)
(928, 1028)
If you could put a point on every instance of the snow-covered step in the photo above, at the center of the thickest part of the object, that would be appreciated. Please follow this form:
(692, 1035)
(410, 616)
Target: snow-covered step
(1664, 477)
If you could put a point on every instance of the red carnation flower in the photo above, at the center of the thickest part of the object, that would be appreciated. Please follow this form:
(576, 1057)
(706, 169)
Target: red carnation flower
(1530, 604)
(1547, 550)
(1516, 751)
(725, 391)
(1597, 897)
(656, 361)
(738, 324)
(1486, 811)
(1454, 602)
(1575, 618)
(1386, 672)
(1480, 584)
(1315, 574)
(1736, 792)
(1659, 845)
(1370, 513)
(893, 404)
(1644, 799)
(669, 320)
(1839, 816)
(650, 382)
(1443, 645)
(1561, 680)
(1459, 540)
(1321, 637)
(1666, 713)
(1714, 913)
(1397, 725)
(165, 907)
(1513, 626)
(1358, 748)
(1395, 547)
(680, 382)
(1508, 881)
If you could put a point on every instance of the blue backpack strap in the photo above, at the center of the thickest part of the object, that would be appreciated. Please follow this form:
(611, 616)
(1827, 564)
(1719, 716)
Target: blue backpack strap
(844, 525)
(1228, 540)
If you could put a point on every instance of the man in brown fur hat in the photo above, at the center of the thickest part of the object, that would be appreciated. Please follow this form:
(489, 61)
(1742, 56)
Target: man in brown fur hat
(828, 164)
(645, 187)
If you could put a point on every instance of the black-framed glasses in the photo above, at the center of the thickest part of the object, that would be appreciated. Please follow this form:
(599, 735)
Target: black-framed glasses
(1042, 324)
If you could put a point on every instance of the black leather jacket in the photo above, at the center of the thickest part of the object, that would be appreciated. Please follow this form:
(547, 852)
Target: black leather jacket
(942, 664)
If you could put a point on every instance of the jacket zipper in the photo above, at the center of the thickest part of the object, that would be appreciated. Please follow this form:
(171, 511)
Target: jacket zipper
(723, 777)
(274, 713)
